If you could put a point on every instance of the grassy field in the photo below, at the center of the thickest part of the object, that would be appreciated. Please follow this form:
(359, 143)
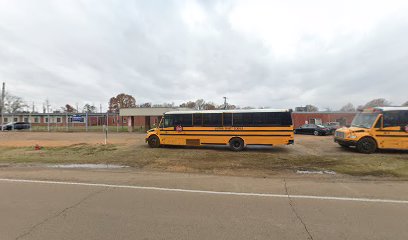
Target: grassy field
(309, 153)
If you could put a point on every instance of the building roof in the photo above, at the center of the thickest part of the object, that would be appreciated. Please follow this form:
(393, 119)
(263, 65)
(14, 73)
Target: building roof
(147, 111)
(385, 109)
(228, 111)
(325, 112)
(55, 114)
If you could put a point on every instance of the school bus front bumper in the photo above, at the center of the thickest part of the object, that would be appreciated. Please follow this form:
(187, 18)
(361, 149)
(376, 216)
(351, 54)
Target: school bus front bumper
(346, 142)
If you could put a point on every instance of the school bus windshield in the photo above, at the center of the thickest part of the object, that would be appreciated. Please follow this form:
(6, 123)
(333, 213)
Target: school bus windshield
(364, 120)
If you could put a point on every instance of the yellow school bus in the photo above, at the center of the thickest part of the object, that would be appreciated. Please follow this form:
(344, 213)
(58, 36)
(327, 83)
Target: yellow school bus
(236, 128)
(376, 128)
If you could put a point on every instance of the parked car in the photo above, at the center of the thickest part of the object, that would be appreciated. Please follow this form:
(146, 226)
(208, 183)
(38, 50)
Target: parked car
(333, 126)
(313, 129)
(16, 126)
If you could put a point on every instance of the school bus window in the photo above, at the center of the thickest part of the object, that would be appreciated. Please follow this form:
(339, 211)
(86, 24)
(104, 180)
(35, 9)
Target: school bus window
(247, 119)
(364, 120)
(227, 118)
(237, 119)
(185, 120)
(168, 121)
(212, 120)
(260, 119)
(395, 118)
(198, 119)
(379, 123)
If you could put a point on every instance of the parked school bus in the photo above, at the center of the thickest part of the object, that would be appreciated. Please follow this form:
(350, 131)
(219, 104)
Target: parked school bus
(376, 128)
(236, 128)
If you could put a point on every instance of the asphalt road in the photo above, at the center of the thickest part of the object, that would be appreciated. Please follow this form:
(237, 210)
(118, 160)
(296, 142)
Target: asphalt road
(128, 204)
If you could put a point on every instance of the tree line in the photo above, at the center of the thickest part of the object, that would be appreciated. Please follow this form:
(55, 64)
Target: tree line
(15, 104)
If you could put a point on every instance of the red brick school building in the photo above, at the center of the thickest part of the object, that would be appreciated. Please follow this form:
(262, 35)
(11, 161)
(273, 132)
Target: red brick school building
(141, 119)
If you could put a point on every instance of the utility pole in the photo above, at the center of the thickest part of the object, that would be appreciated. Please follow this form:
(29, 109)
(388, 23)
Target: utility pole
(29, 116)
(225, 102)
(47, 103)
(3, 92)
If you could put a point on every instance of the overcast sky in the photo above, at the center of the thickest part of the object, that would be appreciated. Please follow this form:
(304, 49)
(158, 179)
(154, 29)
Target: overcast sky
(279, 54)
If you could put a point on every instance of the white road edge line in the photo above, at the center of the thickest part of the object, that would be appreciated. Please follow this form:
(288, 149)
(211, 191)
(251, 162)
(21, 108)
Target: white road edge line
(374, 200)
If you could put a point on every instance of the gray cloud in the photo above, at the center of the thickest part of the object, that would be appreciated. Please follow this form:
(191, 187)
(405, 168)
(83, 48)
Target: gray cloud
(88, 51)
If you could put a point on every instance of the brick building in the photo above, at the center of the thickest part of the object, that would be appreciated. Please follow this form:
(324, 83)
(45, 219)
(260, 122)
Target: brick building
(300, 118)
(141, 119)
(64, 119)
(144, 118)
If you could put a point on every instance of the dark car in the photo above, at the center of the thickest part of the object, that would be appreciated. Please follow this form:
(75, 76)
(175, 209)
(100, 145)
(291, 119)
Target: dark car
(313, 129)
(333, 126)
(16, 126)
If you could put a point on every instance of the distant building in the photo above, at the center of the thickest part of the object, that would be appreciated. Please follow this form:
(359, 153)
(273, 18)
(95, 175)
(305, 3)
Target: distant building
(300, 109)
(300, 118)
(144, 117)
(64, 119)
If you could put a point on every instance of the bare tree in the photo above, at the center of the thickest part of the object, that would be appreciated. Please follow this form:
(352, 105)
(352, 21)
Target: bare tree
(13, 104)
(165, 105)
(379, 102)
(199, 104)
(89, 108)
(311, 108)
(209, 106)
(349, 107)
(229, 106)
(405, 104)
(68, 109)
(146, 105)
(188, 104)
(121, 101)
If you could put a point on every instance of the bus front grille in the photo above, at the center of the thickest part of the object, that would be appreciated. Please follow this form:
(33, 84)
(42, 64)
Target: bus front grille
(339, 134)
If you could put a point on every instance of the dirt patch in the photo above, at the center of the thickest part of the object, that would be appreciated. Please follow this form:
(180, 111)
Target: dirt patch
(57, 139)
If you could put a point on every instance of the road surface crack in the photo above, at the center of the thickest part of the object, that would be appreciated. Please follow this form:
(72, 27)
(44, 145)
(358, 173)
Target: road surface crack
(295, 212)
(60, 213)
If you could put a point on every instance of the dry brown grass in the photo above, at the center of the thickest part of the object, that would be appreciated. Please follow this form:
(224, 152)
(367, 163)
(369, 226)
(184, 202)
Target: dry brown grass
(309, 153)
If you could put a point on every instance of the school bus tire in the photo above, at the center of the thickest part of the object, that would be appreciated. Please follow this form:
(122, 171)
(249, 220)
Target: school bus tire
(236, 144)
(153, 141)
(366, 145)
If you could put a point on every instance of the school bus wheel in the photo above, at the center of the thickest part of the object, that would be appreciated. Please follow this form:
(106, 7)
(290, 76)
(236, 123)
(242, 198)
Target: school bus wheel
(153, 141)
(236, 144)
(366, 145)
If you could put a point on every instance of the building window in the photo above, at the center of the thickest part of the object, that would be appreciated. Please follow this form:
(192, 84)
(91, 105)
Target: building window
(46, 120)
(5, 120)
(58, 120)
(36, 120)
(316, 121)
(15, 119)
(26, 119)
